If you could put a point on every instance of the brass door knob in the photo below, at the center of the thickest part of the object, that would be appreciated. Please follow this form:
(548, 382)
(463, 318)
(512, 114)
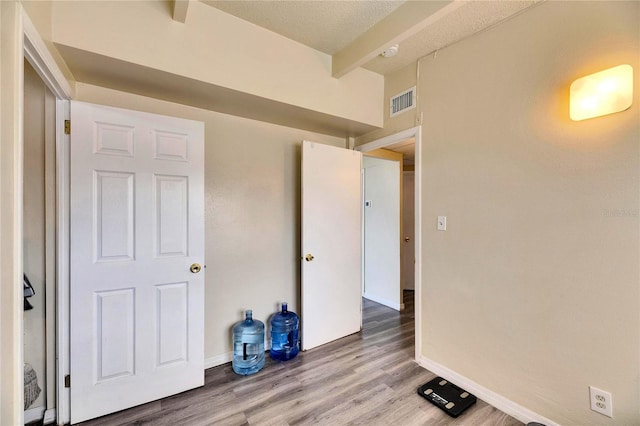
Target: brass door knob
(309, 257)
(406, 239)
(195, 268)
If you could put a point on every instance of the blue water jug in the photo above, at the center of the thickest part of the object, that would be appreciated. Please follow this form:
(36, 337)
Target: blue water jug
(248, 345)
(285, 343)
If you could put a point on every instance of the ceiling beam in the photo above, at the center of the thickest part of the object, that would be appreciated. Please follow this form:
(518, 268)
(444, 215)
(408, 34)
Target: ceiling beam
(180, 9)
(402, 23)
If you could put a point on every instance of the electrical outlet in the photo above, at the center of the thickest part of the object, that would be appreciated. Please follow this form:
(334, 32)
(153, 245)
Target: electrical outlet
(601, 401)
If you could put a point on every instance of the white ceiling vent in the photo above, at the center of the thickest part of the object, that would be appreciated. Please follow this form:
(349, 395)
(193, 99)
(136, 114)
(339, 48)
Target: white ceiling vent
(402, 102)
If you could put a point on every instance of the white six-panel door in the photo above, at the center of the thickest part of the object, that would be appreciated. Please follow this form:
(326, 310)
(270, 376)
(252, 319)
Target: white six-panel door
(331, 243)
(137, 226)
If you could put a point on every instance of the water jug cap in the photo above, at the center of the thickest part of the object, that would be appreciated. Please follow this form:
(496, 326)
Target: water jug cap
(249, 314)
(284, 306)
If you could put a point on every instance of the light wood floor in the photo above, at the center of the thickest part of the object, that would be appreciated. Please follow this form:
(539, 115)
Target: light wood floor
(368, 378)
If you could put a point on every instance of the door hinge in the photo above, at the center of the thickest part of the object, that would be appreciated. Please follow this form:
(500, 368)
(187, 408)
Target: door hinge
(67, 381)
(67, 127)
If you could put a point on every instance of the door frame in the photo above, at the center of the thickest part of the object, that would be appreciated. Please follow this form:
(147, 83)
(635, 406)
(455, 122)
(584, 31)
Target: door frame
(38, 55)
(414, 132)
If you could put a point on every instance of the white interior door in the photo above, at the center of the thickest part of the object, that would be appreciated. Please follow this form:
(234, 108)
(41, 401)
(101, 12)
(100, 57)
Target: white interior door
(137, 225)
(382, 231)
(331, 244)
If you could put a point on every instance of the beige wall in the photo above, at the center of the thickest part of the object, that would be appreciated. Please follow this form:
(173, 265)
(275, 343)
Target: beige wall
(537, 275)
(40, 13)
(252, 209)
(395, 83)
(10, 214)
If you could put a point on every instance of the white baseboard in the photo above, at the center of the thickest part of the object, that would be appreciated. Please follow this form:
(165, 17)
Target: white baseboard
(217, 360)
(393, 305)
(39, 413)
(490, 397)
(50, 416)
(33, 414)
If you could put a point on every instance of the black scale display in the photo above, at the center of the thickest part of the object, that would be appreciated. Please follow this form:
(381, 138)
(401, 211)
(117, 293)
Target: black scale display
(447, 396)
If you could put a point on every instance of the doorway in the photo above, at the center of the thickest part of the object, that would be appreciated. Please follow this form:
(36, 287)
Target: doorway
(408, 142)
(381, 172)
(42, 67)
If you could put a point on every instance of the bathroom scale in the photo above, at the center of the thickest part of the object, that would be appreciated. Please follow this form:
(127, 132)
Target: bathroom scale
(447, 396)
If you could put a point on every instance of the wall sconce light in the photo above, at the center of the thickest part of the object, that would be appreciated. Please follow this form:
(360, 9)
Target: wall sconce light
(602, 93)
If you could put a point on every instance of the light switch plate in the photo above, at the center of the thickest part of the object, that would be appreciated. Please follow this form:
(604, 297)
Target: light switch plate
(442, 223)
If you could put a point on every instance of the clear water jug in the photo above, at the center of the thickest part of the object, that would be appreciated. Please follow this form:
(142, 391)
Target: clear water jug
(285, 343)
(248, 345)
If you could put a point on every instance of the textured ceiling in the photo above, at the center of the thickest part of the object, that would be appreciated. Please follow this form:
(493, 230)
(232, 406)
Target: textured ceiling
(325, 25)
(472, 17)
(330, 26)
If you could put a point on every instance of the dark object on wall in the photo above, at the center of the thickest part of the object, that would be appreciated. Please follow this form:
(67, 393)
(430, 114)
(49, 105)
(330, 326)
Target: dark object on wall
(447, 396)
(28, 291)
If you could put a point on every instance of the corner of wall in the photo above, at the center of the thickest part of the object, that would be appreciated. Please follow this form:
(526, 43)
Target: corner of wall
(40, 17)
(394, 83)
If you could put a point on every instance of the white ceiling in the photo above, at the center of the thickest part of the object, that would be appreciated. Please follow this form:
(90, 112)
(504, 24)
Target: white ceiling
(326, 25)
(332, 26)
(470, 18)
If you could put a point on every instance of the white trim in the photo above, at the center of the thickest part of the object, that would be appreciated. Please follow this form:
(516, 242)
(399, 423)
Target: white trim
(227, 357)
(383, 301)
(417, 286)
(36, 52)
(487, 395)
(362, 244)
(217, 360)
(63, 399)
(49, 416)
(11, 176)
(414, 132)
(390, 140)
(39, 413)
(34, 414)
